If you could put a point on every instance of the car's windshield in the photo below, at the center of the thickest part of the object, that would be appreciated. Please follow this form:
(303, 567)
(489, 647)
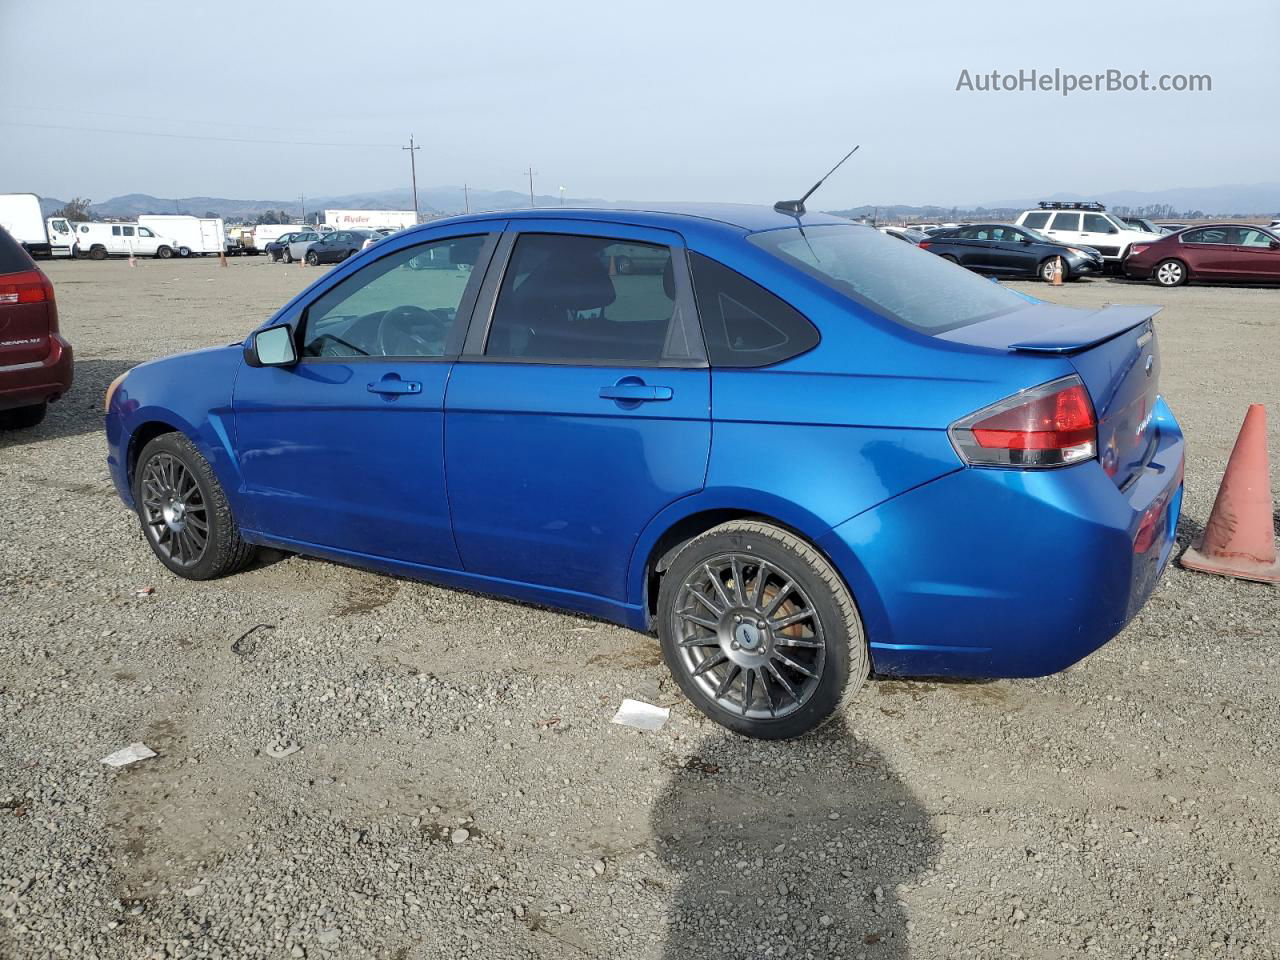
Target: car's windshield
(898, 280)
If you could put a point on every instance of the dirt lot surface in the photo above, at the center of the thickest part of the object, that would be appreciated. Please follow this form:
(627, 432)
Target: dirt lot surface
(459, 791)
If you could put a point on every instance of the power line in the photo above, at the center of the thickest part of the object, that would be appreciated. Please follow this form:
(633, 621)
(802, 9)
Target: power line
(188, 136)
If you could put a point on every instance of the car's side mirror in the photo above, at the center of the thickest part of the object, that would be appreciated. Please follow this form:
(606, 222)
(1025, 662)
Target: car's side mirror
(272, 347)
(1274, 244)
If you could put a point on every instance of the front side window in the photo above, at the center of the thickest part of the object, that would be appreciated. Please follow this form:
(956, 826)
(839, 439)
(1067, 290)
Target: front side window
(903, 283)
(1094, 223)
(1066, 221)
(592, 299)
(1249, 237)
(144, 232)
(744, 324)
(1036, 221)
(390, 308)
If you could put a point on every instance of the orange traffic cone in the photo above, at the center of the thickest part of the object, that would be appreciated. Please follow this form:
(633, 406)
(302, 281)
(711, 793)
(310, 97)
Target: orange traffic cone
(1057, 271)
(1239, 539)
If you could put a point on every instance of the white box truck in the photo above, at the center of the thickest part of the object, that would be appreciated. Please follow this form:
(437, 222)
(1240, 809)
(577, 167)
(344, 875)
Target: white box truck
(195, 236)
(370, 219)
(22, 219)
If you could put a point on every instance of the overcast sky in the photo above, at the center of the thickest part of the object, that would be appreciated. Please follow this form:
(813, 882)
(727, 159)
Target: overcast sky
(739, 101)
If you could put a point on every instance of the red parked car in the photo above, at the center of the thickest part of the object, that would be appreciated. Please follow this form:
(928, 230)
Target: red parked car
(35, 362)
(1217, 251)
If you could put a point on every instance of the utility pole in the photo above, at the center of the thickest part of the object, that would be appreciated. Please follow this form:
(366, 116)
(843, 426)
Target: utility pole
(302, 202)
(531, 172)
(413, 172)
(466, 199)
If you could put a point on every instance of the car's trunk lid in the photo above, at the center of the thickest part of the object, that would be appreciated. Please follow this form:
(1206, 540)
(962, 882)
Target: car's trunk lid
(1114, 351)
(24, 321)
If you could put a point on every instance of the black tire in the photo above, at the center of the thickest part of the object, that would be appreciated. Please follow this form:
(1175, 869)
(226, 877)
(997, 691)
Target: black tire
(950, 259)
(223, 551)
(23, 418)
(185, 252)
(98, 252)
(312, 258)
(164, 253)
(1045, 270)
(836, 660)
(1170, 273)
(288, 255)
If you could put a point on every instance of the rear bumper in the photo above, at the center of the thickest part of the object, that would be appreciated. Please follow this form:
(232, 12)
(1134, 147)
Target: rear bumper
(27, 384)
(1138, 271)
(1004, 573)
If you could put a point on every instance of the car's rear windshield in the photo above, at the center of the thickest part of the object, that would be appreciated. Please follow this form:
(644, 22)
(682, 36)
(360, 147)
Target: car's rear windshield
(904, 283)
(13, 259)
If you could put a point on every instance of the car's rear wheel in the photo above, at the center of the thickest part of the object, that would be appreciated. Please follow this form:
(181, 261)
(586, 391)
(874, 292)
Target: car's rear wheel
(1170, 273)
(98, 253)
(950, 259)
(23, 418)
(312, 258)
(184, 512)
(760, 631)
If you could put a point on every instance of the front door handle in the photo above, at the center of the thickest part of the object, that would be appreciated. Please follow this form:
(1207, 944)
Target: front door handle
(394, 386)
(636, 392)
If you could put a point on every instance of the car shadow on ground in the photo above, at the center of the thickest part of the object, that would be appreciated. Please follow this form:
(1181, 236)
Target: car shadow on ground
(779, 855)
(79, 411)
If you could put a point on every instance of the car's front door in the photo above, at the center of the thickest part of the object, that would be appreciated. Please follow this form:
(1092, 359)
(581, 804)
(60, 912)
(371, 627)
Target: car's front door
(344, 450)
(1018, 250)
(1257, 255)
(580, 409)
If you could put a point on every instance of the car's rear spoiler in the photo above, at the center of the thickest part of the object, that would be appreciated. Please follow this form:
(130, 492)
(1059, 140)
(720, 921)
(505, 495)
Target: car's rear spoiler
(1048, 328)
(1087, 329)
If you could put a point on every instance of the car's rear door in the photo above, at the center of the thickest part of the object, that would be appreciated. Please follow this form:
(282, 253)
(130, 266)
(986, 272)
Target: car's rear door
(580, 407)
(1065, 227)
(1209, 252)
(344, 450)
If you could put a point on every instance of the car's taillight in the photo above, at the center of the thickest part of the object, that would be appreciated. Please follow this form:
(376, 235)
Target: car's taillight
(1051, 425)
(1138, 248)
(30, 286)
(924, 244)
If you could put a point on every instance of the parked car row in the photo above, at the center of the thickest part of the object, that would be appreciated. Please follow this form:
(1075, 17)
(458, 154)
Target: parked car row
(1083, 239)
(315, 248)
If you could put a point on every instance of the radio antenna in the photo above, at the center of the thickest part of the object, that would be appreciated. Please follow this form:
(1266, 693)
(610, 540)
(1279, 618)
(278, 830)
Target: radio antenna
(795, 208)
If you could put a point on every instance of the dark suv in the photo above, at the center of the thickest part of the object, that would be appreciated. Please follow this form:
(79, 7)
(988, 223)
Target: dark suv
(35, 362)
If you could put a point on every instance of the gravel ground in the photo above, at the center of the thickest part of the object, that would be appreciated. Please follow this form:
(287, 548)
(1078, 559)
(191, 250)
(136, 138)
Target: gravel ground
(459, 791)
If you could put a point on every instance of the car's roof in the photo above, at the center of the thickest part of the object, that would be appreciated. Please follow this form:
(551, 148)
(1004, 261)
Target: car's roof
(738, 217)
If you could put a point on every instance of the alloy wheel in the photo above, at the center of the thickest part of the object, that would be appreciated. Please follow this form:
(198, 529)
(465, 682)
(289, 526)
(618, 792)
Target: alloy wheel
(749, 636)
(174, 510)
(1169, 274)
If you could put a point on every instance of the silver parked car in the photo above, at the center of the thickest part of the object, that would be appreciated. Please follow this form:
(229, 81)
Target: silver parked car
(296, 249)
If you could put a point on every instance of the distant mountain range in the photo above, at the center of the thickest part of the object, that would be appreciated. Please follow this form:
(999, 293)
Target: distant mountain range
(1229, 200)
(432, 201)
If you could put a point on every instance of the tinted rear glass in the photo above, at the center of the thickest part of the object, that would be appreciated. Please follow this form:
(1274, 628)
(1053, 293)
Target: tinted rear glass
(13, 259)
(1037, 221)
(902, 282)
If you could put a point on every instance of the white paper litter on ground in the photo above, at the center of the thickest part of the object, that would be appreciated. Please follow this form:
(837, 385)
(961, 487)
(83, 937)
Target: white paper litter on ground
(126, 755)
(643, 716)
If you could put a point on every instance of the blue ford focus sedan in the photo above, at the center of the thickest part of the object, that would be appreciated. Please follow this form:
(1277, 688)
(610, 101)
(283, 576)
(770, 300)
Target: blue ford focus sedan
(797, 449)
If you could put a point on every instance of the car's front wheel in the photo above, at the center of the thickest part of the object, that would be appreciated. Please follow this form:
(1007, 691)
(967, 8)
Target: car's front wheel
(1049, 268)
(760, 631)
(184, 512)
(288, 255)
(1170, 273)
(164, 253)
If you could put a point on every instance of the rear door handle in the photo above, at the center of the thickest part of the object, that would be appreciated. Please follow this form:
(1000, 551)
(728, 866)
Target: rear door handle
(395, 386)
(636, 392)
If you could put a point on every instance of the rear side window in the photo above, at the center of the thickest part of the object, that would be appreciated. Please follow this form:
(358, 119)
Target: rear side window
(1066, 221)
(1036, 221)
(588, 299)
(744, 324)
(13, 259)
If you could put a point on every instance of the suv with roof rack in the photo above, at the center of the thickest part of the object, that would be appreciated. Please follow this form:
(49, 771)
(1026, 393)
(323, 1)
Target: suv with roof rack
(1087, 224)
